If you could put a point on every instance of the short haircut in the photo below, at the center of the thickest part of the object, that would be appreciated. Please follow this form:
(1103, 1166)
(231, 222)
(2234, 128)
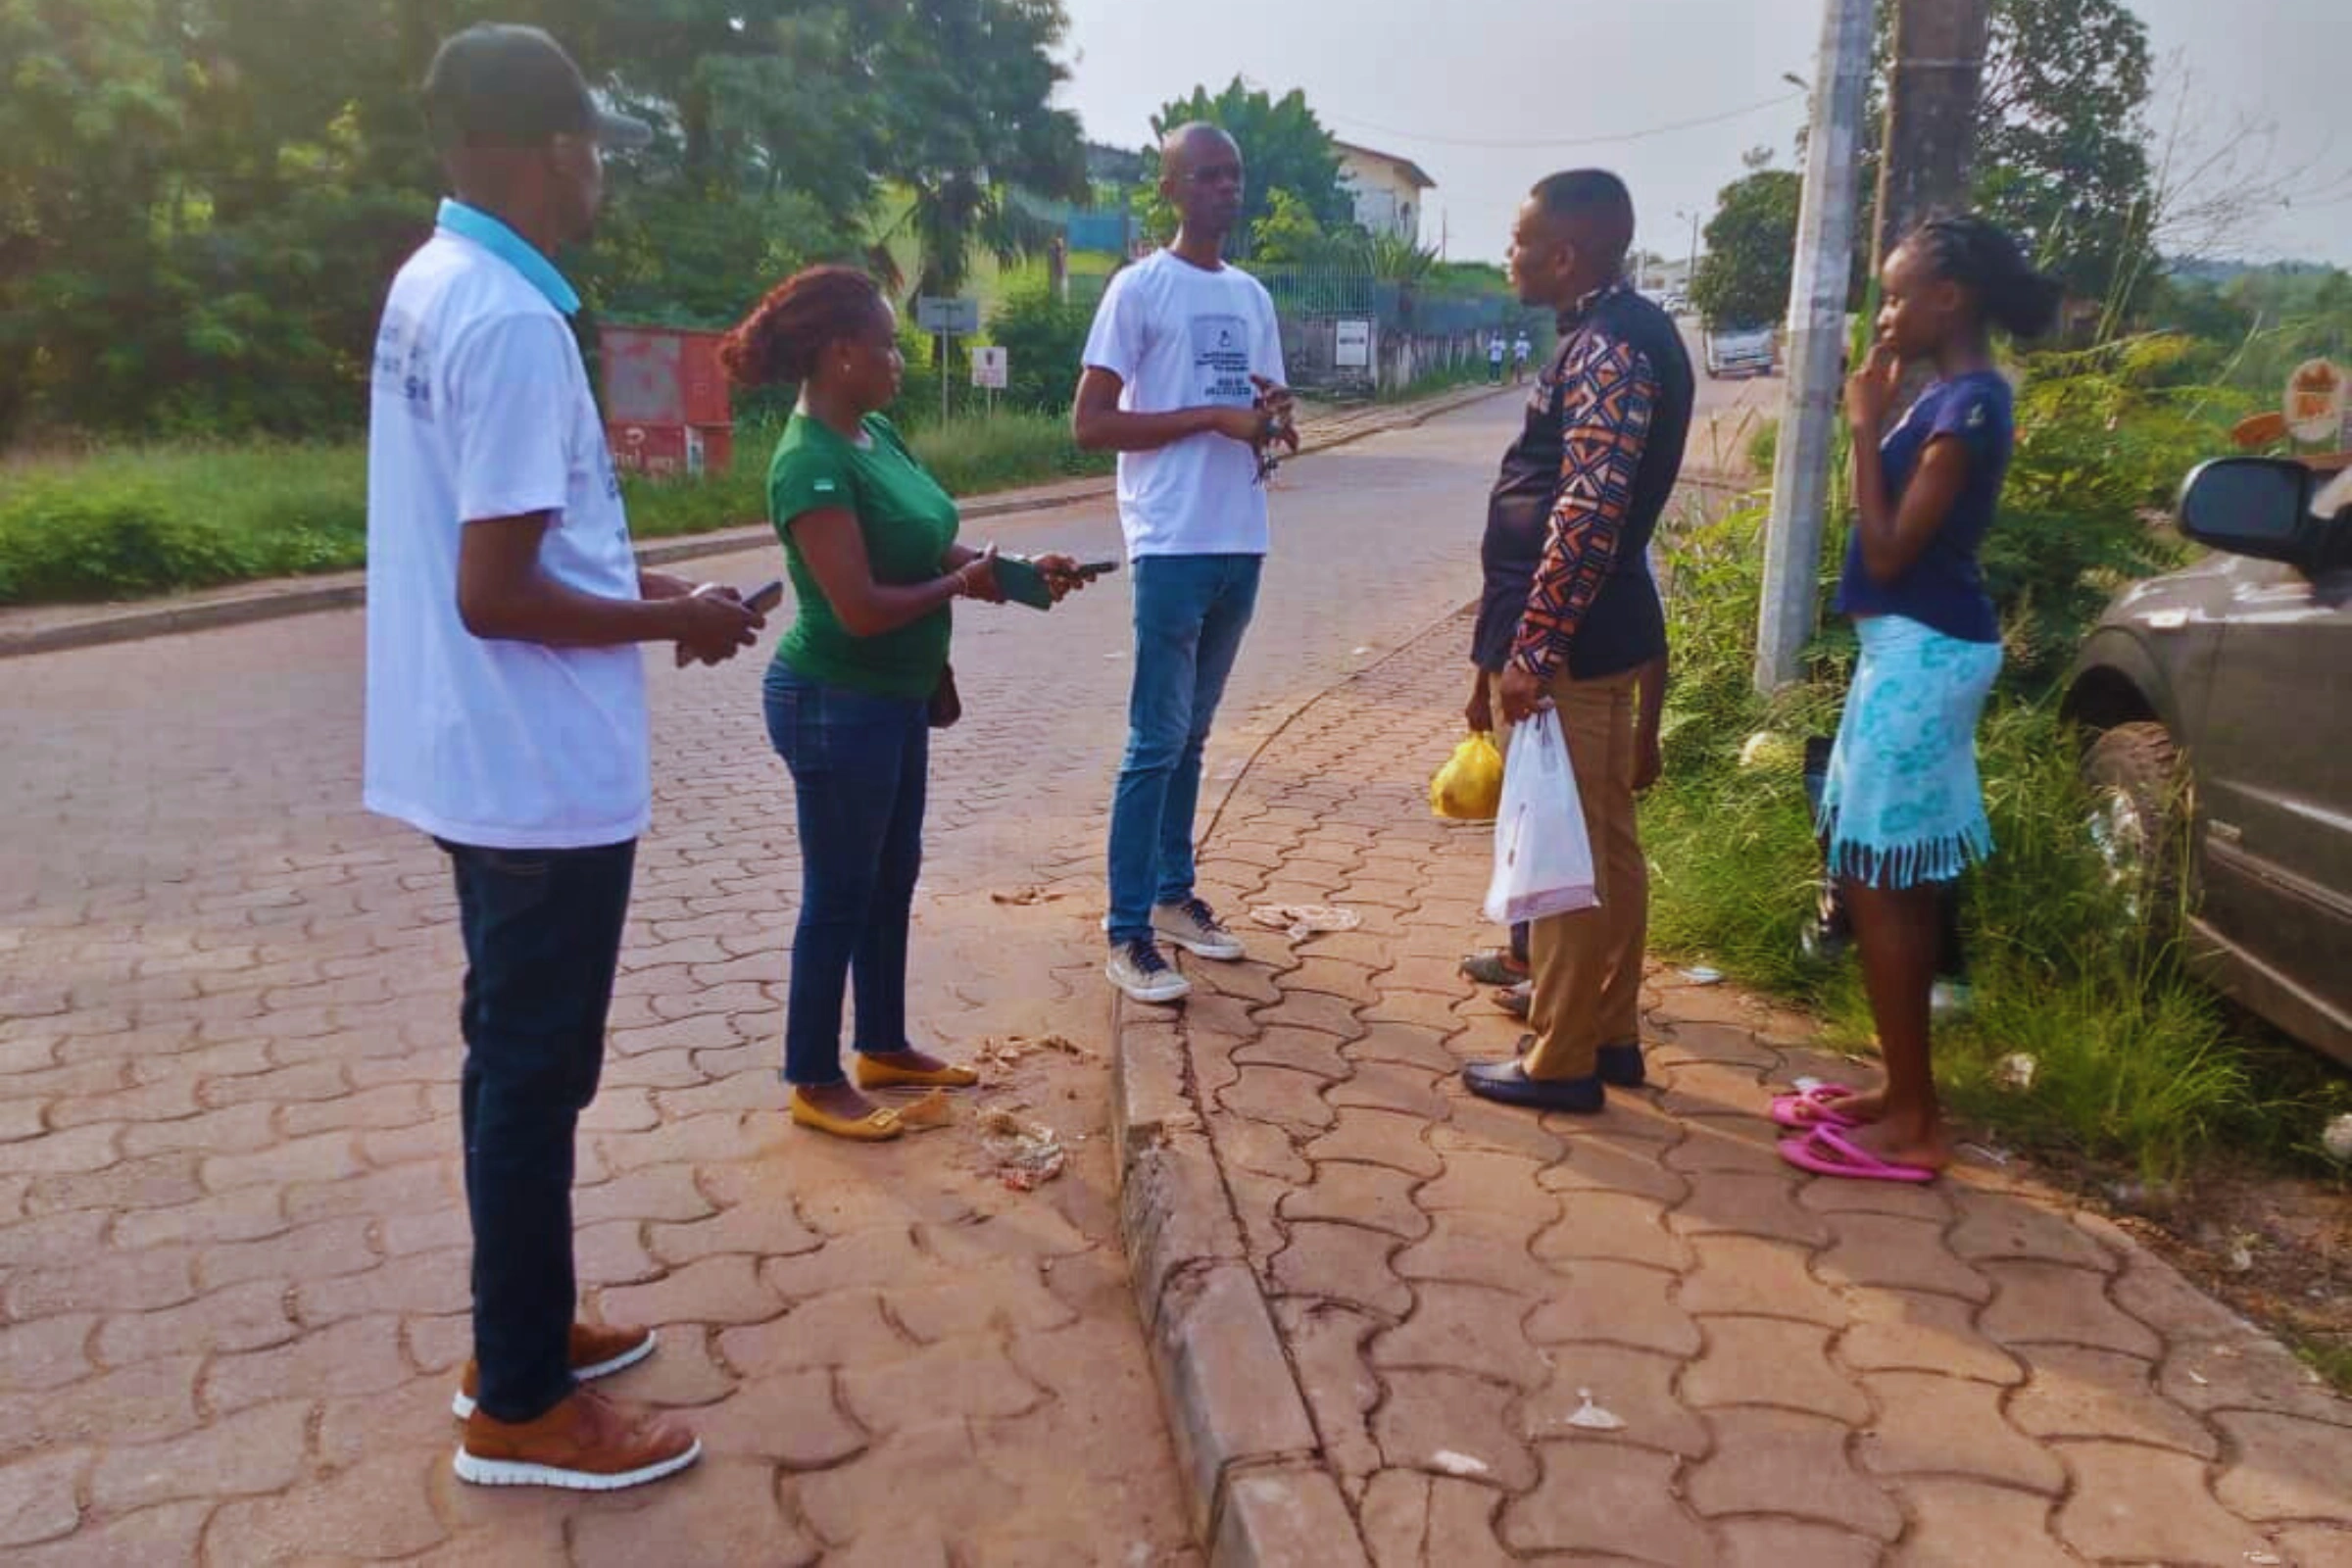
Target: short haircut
(1597, 204)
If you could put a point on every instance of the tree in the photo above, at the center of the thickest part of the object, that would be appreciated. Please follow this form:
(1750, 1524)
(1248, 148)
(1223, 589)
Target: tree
(966, 121)
(1289, 234)
(203, 199)
(1284, 147)
(1743, 279)
(2062, 137)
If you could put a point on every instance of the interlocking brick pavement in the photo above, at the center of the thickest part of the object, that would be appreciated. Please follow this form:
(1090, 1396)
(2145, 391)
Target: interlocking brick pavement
(232, 1246)
(1806, 1370)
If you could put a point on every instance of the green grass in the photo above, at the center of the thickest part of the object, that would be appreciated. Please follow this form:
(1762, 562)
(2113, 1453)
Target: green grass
(2135, 1063)
(125, 523)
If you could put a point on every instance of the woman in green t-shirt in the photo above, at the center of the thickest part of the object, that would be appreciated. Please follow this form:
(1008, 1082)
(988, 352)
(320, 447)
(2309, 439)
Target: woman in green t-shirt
(869, 540)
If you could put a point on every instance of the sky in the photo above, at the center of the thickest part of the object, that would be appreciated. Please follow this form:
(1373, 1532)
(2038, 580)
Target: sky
(1490, 95)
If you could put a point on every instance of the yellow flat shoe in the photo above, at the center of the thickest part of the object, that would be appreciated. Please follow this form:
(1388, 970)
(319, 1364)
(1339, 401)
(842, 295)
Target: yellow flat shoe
(874, 1074)
(874, 1127)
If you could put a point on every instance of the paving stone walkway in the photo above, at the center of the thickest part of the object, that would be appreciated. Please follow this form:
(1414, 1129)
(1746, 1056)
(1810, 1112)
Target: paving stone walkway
(1806, 1371)
(233, 1252)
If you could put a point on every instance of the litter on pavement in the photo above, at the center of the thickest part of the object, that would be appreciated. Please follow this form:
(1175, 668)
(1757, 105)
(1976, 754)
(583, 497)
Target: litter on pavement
(1591, 1417)
(1300, 921)
(1026, 1155)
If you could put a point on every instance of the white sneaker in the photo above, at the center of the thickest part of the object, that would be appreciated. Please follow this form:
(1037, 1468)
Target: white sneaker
(1194, 927)
(1139, 969)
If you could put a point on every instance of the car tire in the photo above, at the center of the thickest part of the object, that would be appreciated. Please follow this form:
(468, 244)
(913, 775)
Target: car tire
(2139, 818)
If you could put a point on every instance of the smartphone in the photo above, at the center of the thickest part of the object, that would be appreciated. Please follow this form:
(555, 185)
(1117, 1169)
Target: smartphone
(763, 599)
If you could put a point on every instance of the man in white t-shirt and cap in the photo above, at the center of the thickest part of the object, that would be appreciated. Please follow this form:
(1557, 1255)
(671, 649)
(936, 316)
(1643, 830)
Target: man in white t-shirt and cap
(1184, 380)
(507, 716)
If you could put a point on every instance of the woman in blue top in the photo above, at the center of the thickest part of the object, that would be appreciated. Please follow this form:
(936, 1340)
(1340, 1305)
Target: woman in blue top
(1902, 811)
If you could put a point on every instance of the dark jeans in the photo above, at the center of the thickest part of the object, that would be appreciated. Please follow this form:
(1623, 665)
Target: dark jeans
(858, 765)
(1190, 614)
(542, 932)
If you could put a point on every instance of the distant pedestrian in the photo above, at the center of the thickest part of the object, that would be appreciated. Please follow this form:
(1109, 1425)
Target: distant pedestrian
(1522, 351)
(1183, 379)
(506, 717)
(1902, 808)
(1496, 350)
(1570, 615)
(860, 680)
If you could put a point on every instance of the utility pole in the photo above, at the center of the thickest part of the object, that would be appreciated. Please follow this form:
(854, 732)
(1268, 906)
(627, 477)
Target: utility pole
(1931, 94)
(1817, 294)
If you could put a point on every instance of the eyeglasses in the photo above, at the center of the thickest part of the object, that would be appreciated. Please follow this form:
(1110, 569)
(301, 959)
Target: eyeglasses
(1216, 174)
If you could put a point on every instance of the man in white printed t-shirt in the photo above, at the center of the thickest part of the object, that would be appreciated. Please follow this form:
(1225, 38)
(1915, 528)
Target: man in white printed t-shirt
(1184, 380)
(506, 716)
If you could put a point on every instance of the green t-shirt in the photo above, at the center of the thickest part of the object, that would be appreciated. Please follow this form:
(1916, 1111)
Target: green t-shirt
(907, 522)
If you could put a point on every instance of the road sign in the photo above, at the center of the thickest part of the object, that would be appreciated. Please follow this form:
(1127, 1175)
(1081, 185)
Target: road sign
(956, 317)
(1354, 350)
(991, 369)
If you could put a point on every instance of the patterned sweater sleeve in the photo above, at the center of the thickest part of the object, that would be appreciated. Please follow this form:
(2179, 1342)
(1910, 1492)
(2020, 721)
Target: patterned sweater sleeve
(1608, 393)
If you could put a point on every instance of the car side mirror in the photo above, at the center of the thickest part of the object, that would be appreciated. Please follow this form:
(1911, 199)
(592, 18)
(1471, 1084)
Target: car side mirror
(2258, 507)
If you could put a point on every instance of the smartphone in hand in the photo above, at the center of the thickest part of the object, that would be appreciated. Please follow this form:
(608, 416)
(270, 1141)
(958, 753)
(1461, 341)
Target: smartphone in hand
(765, 599)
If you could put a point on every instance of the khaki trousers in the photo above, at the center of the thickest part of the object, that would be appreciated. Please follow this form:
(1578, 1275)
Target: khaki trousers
(1587, 965)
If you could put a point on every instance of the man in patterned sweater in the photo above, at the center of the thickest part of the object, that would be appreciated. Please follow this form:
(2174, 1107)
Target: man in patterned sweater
(1570, 615)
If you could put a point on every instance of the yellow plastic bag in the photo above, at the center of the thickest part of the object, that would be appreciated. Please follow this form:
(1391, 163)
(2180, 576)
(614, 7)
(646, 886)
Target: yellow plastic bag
(1469, 787)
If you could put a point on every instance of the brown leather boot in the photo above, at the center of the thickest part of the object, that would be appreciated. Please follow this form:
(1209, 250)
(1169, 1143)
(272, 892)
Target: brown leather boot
(586, 1443)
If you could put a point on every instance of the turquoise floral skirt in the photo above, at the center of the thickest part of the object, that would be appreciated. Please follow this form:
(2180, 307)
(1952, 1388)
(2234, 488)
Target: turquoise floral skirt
(1902, 805)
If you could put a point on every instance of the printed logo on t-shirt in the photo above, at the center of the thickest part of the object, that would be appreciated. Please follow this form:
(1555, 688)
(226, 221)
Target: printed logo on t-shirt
(403, 367)
(1221, 358)
(1975, 416)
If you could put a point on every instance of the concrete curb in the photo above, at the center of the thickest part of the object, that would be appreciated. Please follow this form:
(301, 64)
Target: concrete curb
(1258, 1493)
(1259, 1490)
(119, 624)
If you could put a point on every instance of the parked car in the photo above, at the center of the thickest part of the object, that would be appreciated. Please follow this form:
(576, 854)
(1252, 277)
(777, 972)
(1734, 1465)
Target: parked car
(2219, 700)
(1741, 350)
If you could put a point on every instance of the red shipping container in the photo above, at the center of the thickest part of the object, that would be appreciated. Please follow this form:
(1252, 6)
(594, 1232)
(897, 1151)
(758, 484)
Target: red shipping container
(671, 451)
(667, 402)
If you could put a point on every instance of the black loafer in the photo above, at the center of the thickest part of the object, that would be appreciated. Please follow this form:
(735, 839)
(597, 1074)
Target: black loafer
(1621, 1066)
(1506, 1083)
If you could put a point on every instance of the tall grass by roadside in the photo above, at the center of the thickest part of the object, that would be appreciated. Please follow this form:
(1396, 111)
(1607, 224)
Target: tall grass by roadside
(130, 522)
(2134, 1060)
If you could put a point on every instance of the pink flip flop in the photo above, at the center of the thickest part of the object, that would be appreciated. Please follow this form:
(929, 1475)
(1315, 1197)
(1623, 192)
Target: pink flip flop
(1827, 1152)
(1817, 1107)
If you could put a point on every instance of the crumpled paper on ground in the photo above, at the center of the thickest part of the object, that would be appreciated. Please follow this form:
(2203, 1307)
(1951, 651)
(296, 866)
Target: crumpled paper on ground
(1300, 921)
(1026, 1155)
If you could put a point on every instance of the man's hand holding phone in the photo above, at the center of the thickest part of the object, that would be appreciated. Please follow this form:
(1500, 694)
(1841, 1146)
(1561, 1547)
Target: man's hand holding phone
(715, 624)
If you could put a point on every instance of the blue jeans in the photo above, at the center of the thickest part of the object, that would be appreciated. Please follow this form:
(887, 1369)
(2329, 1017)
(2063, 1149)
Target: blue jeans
(542, 930)
(859, 764)
(1190, 614)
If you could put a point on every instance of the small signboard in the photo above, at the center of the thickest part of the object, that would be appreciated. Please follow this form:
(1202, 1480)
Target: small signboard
(2315, 400)
(956, 317)
(991, 368)
(1355, 348)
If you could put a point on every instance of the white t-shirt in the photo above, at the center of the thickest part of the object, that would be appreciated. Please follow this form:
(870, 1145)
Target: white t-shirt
(481, 408)
(1523, 350)
(1183, 338)
(1494, 350)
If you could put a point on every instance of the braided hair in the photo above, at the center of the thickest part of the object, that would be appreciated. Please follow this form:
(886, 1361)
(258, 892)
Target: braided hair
(1985, 258)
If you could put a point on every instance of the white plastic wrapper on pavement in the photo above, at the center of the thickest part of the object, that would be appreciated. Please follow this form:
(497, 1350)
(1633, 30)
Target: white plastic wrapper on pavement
(1542, 858)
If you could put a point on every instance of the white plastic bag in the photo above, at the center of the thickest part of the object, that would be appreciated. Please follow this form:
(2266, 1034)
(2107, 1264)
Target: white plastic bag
(1542, 858)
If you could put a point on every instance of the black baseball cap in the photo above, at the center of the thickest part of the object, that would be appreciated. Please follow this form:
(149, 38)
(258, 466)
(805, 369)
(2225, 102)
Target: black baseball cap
(497, 84)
